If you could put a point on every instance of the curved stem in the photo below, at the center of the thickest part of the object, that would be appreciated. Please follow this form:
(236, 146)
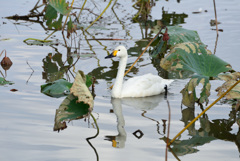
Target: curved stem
(94, 137)
(140, 10)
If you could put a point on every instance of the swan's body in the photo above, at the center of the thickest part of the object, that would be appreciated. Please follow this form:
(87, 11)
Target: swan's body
(140, 86)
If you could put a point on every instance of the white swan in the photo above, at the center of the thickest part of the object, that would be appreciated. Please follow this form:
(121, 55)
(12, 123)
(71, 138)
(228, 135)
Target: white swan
(139, 86)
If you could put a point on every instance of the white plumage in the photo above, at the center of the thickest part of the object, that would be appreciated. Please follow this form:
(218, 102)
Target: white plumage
(139, 86)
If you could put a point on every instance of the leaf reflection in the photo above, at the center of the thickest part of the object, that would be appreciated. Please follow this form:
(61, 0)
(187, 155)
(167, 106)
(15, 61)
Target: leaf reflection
(209, 130)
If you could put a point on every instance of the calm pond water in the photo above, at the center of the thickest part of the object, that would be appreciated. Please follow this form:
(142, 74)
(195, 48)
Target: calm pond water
(27, 115)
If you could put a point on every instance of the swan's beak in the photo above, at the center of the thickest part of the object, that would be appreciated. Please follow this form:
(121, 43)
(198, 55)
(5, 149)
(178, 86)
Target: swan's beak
(113, 54)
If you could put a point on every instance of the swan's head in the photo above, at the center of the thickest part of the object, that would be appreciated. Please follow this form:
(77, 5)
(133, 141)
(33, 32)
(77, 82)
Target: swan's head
(119, 51)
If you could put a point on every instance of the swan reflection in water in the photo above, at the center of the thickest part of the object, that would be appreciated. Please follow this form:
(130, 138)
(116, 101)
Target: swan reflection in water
(142, 103)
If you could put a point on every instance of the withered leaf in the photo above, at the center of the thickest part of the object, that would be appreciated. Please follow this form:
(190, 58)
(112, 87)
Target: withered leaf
(230, 79)
(80, 90)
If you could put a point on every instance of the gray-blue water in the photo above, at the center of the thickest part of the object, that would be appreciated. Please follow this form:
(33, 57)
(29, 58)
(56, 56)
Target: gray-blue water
(27, 115)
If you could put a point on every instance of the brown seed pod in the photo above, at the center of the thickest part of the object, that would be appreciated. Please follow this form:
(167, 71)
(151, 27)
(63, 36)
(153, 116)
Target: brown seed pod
(6, 63)
(165, 36)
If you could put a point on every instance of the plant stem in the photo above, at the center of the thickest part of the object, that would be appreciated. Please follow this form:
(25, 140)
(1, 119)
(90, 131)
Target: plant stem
(215, 16)
(168, 131)
(95, 121)
(140, 10)
(94, 137)
(65, 24)
(49, 35)
(37, 40)
(2, 52)
(81, 10)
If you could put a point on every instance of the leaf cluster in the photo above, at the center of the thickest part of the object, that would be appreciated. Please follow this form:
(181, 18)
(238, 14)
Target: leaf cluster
(188, 53)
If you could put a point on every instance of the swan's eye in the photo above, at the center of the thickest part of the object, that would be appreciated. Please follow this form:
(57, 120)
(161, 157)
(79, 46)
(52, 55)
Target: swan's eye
(118, 49)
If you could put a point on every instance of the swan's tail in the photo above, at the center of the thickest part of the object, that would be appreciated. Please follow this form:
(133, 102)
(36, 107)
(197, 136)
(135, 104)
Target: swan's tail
(167, 81)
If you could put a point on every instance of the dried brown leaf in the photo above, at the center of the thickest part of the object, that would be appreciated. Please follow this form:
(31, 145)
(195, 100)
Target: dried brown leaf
(80, 90)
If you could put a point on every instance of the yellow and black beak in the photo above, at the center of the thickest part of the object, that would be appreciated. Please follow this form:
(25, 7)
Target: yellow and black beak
(113, 54)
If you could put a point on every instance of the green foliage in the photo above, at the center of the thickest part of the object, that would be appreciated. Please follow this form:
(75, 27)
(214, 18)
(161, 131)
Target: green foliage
(189, 91)
(88, 80)
(195, 58)
(159, 49)
(177, 35)
(4, 82)
(53, 67)
(57, 88)
(33, 41)
(53, 8)
(61, 87)
(78, 104)
(60, 6)
(51, 17)
(184, 147)
(69, 110)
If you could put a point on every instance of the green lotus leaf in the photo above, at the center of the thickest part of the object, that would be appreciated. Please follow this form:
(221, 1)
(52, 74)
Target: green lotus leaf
(195, 58)
(69, 110)
(180, 35)
(177, 35)
(57, 88)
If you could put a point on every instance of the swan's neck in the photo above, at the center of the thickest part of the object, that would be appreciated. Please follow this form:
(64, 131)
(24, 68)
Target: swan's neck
(117, 88)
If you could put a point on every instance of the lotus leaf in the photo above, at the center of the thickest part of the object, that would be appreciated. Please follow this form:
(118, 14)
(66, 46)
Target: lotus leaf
(180, 35)
(195, 58)
(80, 90)
(78, 104)
(189, 91)
(57, 88)
(177, 35)
(32, 41)
(69, 110)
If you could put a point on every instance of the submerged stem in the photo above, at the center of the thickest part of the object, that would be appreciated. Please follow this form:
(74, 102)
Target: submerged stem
(50, 35)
